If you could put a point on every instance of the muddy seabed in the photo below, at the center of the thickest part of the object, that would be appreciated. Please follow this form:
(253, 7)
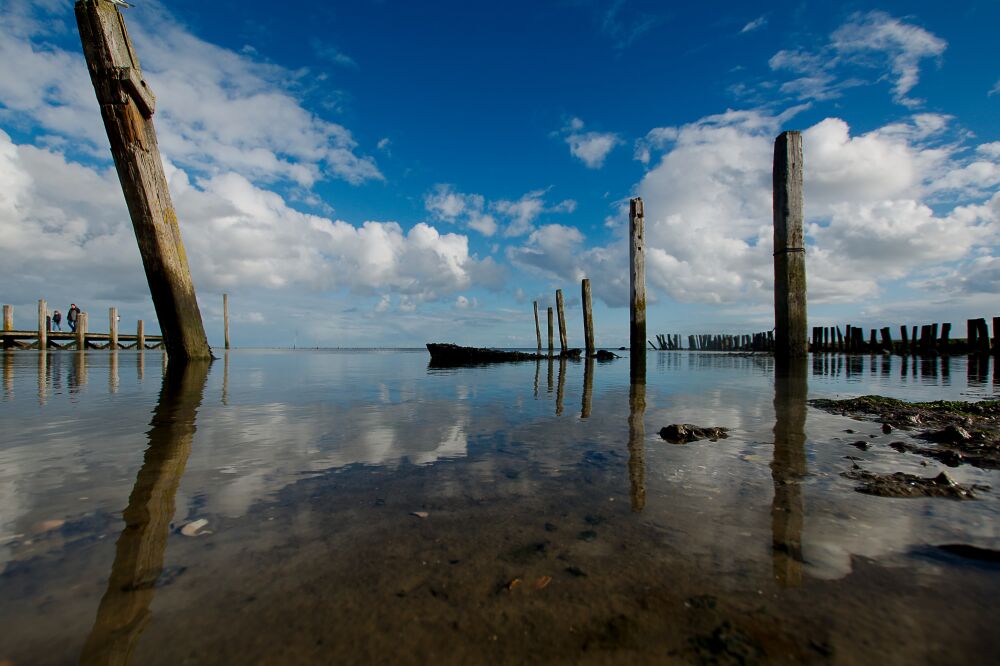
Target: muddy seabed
(542, 538)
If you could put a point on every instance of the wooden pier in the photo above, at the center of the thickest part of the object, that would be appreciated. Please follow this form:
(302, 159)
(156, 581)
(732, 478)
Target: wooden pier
(82, 338)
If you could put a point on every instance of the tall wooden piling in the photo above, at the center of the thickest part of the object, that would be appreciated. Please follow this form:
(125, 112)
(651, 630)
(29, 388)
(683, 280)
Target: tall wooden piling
(140, 336)
(43, 325)
(588, 318)
(127, 106)
(551, 342)
(81, 331)
(225, 316)
(637, 286)
(538, 330)
(789, 248)
(562, 321)
(996, 340)
(113, 329)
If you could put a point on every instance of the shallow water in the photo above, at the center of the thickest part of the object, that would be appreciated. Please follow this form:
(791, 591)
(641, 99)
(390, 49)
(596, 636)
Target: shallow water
(558, 526)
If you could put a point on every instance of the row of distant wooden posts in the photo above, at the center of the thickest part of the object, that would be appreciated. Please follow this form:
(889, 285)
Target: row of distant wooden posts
(82, 338)
(922, 340)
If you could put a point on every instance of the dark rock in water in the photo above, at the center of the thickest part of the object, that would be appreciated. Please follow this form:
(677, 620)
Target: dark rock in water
(886, 428)
(621, 349)
(864, 446)
(571, 353)
(605, 355)
(443, 354)
(952, 434)
(908, 485)
(682, 433)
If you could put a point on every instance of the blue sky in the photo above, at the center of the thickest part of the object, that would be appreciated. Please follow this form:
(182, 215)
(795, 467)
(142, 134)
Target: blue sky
(391, 173)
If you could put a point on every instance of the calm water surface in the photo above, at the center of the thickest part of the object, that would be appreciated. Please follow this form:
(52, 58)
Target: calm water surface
(362, 507)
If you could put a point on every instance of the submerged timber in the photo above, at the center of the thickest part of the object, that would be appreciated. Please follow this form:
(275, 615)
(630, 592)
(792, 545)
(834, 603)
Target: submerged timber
(449, 354)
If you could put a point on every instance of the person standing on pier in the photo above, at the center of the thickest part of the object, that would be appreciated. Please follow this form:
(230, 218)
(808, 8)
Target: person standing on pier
(71, 316)
(57, 320)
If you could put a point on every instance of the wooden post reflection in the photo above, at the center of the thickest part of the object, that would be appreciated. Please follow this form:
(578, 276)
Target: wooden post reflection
(8, 374)
(225, 379)
(78, 373)
(588, 387)
(787, 469)
(124, 610)
(538, 372)
(637, 440)
(140, 366)
(561, 388)
(550, 377)
(113, 372)
(43, 371)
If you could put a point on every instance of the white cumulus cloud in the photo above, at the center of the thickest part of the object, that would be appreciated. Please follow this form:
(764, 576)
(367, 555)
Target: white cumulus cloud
(591, 148)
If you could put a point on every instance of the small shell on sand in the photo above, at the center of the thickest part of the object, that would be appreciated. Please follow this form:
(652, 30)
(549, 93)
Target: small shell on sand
(193, 528)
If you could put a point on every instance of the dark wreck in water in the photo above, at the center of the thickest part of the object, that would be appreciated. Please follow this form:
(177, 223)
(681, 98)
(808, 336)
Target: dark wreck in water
(445, 354)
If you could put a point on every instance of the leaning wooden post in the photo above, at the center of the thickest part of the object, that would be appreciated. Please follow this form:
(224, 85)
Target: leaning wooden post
(538, 331)
(225, 316)
(789, 248)
(140, 336)
(637, 289)
(113, 328)
(588, 318)
(562, 321)
(43, 325)
(127, 106)
(81, 331)
(551, 346)
(8, 325)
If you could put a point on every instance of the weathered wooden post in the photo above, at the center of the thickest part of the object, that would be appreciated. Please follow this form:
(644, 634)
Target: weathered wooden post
(562, 321)
(225, 316)
(637, 289)
(8, 325)
(996, 340)
(140, 336)
(984, 336)
(588, 318)
(887, 339)
(551, 341)
(789, 248)
(81, 331)
(127, 106)
(538, 330)
(113, 329)
(43, 325)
